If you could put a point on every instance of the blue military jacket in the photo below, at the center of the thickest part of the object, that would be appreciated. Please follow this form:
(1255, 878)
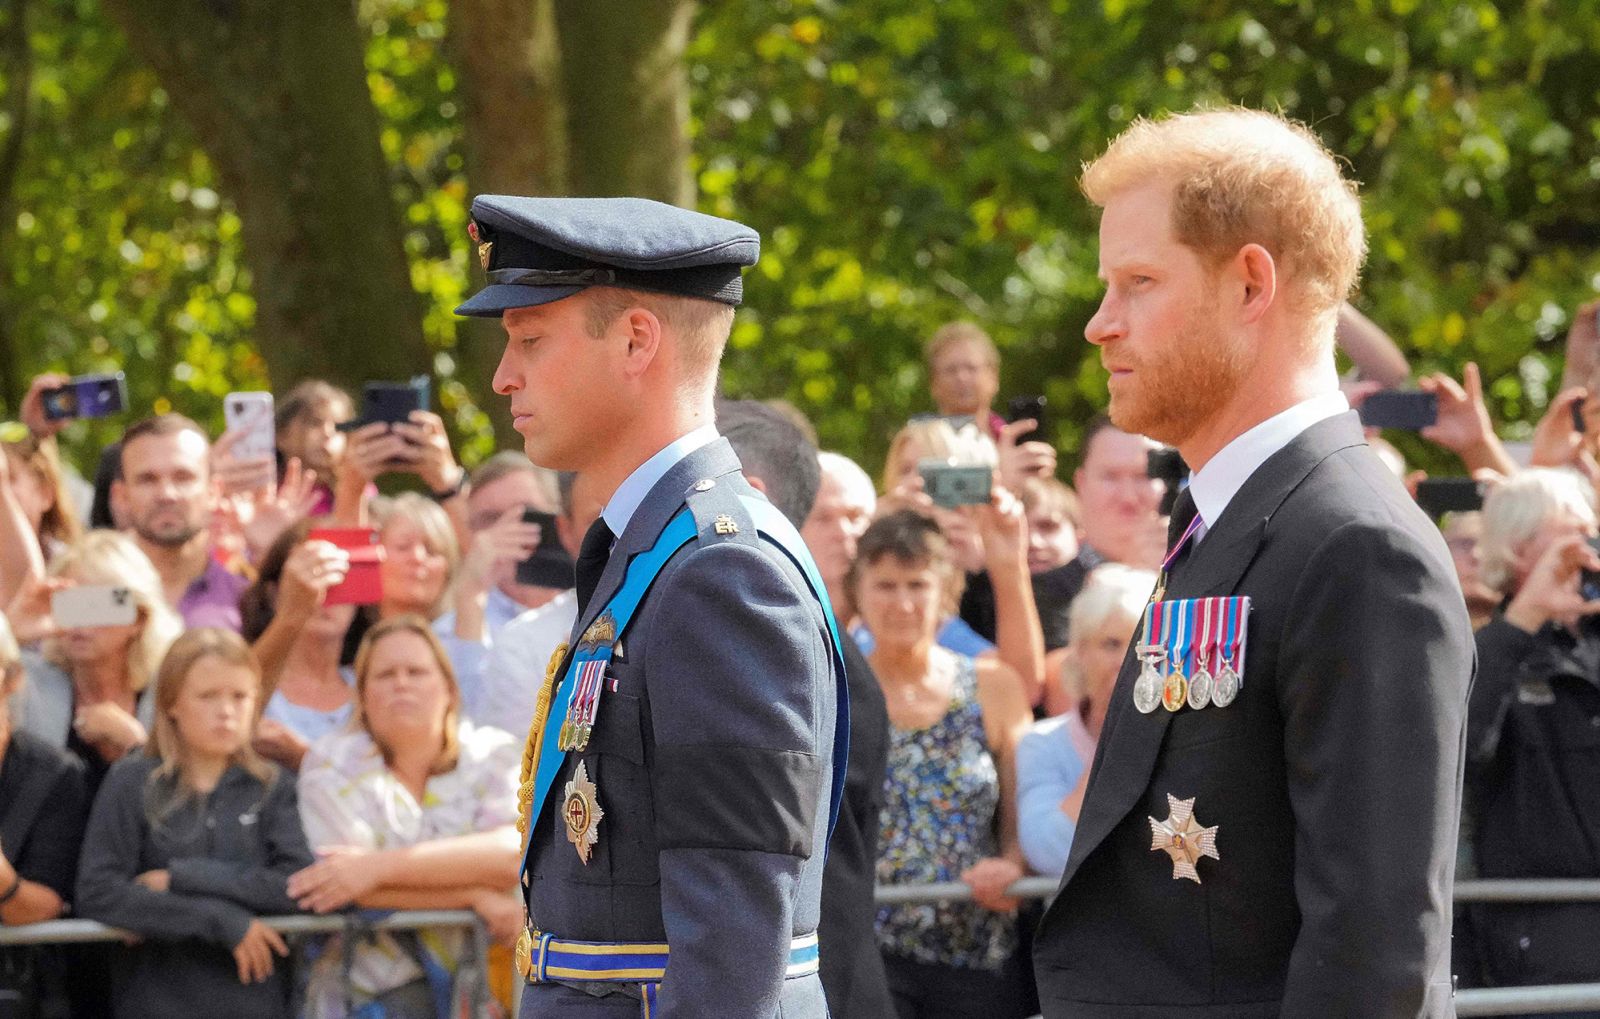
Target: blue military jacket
(711, 757)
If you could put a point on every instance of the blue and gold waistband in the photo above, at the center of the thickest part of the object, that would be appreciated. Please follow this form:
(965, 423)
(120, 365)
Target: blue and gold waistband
(551, 958)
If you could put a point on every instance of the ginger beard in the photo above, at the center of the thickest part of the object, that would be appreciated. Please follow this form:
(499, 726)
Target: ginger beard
(1179, 384)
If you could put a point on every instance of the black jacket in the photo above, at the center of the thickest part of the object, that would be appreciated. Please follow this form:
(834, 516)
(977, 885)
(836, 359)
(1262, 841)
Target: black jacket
(852, 970)
(229, 856)
(1534, 778)
(1334, 780)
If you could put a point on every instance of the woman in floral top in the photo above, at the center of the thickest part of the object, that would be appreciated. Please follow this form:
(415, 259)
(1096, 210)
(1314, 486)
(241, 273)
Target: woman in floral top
(949, 809)
(407, 808)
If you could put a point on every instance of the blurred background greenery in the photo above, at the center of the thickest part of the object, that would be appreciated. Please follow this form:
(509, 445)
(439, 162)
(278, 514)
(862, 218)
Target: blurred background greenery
(230, 194)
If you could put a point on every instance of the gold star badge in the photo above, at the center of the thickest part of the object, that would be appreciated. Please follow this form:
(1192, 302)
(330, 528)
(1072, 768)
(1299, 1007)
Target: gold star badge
(1181, 837)
(581, 810)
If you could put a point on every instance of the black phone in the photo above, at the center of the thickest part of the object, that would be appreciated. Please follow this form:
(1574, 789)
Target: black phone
(86, 396)
(550, 565)
(391, 402)
(1407, 410)
(1023, 408)
(1438, 496)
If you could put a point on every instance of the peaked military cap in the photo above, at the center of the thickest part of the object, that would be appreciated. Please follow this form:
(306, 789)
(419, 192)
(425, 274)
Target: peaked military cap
(538, 250)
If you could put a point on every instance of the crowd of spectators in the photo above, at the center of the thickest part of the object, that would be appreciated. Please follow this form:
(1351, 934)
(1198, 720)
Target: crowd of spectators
(251, 739)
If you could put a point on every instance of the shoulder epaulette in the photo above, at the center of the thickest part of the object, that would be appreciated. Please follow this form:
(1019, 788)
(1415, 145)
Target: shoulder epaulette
(719, 514)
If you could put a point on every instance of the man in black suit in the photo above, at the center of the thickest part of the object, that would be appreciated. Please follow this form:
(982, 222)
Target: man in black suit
(1331, 785)
(781, 462)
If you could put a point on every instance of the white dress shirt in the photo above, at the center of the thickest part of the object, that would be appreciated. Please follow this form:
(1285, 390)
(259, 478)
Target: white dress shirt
(1214, 485)
(626, 499)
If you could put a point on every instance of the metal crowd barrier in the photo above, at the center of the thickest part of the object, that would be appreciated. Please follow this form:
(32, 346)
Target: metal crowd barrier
(1497, 1001)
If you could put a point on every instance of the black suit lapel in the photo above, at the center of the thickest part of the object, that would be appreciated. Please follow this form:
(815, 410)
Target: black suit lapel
(666, 497)
(1130, 741)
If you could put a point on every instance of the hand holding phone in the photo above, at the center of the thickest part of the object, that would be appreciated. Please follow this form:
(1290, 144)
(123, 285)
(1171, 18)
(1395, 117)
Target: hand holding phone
(950, 485)
(87, 606)
(250, 415)
(85, 396)
(363, 582)
(549, 565)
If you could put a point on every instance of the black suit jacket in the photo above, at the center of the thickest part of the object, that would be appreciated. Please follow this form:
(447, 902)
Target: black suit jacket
(852, 970)
(1334, 779)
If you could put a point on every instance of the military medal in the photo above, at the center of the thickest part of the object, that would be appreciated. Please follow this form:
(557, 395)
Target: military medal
(1230, 649)
(1152, 651)
(580, 809)
(1200, 681)
(1176, 690)
(583, 708)
(1182, 837)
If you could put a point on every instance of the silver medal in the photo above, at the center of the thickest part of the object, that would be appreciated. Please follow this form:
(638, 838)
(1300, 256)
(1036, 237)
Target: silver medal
(1226, 687)
(1200, 688)
(1147, 688)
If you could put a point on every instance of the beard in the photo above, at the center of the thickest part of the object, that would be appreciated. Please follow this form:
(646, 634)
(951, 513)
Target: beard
(172, 532)
(1182, 384)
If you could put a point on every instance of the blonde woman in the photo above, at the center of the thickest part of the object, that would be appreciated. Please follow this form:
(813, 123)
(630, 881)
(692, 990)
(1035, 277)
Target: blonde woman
(192, 841)
(87, 691)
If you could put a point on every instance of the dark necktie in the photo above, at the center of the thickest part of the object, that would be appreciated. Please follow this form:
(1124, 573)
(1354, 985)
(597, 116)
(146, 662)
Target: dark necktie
(592, 557)
(1183, 513)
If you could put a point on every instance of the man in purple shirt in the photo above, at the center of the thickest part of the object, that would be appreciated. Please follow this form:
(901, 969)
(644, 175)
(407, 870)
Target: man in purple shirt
(164, 495)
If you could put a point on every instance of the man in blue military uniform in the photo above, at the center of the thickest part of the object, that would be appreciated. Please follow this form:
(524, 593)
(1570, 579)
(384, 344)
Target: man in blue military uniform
(682, 771)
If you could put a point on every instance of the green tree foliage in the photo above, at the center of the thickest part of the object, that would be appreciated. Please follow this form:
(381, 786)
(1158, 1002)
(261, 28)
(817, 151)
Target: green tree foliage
(907, 163)
(912, 163)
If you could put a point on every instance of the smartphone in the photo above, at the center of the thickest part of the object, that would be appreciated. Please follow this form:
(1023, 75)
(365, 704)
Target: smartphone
(391, 402)
(363, 585)
(1588, 580)
(951, 485)
(550, 565)
(89, 605)
(1438, 496)
(1023, 408)
(86, 396)
(251, 413)
(1407, 410)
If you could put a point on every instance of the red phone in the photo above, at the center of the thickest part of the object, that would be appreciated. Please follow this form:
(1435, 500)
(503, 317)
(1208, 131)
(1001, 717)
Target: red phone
(363, 585)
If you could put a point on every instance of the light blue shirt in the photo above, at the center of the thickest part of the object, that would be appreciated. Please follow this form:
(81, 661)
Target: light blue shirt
(626, 499)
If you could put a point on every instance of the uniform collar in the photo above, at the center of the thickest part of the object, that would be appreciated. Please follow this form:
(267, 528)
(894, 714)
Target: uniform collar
(626, 499)
(1215, 484)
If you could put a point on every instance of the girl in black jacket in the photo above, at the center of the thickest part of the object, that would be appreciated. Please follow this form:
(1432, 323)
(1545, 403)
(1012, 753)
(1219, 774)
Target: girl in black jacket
(190, 842)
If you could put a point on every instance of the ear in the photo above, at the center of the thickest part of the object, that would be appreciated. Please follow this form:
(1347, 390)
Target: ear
(756, 483)
(1255, 270)
(642, 330)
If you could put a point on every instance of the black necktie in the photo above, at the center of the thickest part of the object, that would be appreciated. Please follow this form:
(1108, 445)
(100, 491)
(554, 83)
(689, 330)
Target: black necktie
(1183, 514)
(592, 556)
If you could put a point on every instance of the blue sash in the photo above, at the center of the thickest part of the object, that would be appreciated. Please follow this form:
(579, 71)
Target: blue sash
(642, 572)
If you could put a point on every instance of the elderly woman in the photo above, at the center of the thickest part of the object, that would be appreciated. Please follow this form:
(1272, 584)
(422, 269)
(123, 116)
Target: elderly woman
(420, 555)
(409, 808)
(1053, 758)
(1533, 773)
(950, 800)
(87, 691)
(43, 807)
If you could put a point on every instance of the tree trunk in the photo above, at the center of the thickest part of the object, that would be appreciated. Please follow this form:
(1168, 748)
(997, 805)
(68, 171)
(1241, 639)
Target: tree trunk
(277, 94)
(16, 70)
(627, 97)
